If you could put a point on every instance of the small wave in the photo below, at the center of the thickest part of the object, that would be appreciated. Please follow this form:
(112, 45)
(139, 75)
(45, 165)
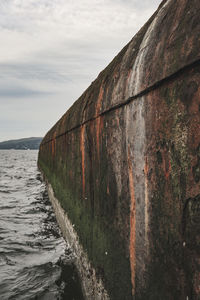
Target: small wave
(33, 260)
(7, 261)
(18, 177)
(32, 211)
(3, 230)
(7, 207)
(5, 191)
(9, 167)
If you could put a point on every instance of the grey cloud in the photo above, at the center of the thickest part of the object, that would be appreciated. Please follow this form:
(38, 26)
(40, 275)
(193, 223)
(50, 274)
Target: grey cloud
(138, 5)
(20, 92)
(31, 71)
(52, 50)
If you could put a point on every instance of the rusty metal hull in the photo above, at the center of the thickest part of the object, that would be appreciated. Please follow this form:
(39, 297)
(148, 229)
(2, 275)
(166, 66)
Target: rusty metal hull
(124, 161)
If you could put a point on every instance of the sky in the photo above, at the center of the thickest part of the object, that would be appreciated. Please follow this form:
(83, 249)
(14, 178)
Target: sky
(51, 50)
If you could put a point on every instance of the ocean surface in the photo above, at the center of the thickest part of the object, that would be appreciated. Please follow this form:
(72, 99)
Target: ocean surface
(35, 261)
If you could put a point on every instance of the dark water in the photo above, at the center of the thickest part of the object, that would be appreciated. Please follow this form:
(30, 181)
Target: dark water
(35, 261)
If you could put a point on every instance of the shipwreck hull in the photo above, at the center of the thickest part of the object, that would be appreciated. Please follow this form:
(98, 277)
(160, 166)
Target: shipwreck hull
(124, 161)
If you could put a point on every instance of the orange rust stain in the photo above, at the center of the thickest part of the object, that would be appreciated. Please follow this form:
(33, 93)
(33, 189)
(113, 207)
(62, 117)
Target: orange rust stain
(98, 134)
(117, 117)
(108, 190)
(132, 222)
(98, 121)
(116, 74)
(101, 123)
(82, 146)
(52, 148)
(99, 127)
(99, 100)
(167, 168)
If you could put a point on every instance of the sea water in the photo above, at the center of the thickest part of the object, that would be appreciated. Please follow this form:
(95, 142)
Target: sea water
(35, 261)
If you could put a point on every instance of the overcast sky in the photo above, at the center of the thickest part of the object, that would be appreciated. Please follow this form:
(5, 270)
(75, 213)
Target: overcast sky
(51, 50)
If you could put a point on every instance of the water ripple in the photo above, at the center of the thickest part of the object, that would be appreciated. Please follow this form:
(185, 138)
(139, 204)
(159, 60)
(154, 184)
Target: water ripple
(35, 261)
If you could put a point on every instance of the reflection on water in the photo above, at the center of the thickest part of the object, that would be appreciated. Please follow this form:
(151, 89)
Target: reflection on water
(35, 261)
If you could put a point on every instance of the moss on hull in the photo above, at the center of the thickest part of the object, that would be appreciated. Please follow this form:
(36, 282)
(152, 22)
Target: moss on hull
(93, 221)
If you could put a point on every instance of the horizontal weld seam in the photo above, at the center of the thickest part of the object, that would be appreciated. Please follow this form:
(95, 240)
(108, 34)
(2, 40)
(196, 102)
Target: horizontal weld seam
(151, 88)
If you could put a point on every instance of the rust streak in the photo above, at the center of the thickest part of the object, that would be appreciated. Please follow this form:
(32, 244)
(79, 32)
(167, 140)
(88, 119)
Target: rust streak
(108, 190)
(117, 117)
(98, 122)
(132, 223)
(98, 134)
(52, 147)
(167, 169)
(82, 146)
(99, 100)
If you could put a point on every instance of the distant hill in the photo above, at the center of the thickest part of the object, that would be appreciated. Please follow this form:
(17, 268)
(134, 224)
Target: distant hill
(22, 144)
